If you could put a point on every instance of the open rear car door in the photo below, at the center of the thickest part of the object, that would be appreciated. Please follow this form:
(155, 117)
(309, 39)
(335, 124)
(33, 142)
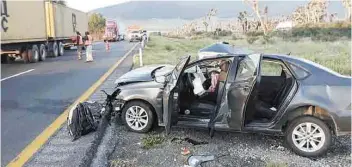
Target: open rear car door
(241, 89)
(169, 92)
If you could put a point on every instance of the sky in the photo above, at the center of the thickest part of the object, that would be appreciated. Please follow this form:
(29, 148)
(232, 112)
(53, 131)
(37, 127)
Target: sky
(88, 5)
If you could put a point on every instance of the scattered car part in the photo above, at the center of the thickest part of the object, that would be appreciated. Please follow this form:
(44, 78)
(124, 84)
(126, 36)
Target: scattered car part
(185, 151)
(80, 121)
(197, 160)
(189, 140)
(110, 100)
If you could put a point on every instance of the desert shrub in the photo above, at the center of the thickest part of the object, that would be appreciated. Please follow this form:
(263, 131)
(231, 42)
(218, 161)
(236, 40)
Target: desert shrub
(254, 33)
(215, 37)
(252, 39)
(199, 33)
(175, 36)
(196, 37)
(234, 37)
(155, 34)
(223, 33)
(152, 140)
(316, 33)
(151, 44)
(169, 48)
(266, 39)
(325, 38)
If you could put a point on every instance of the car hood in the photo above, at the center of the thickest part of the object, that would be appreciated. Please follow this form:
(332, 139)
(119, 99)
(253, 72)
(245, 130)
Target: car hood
(144, 74)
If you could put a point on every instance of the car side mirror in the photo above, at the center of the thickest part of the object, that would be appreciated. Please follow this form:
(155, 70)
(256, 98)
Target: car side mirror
(160, 79)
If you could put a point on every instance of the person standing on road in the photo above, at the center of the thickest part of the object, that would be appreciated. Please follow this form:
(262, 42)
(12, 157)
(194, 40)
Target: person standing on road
(89, 48)
(79, 42)
(107, 45)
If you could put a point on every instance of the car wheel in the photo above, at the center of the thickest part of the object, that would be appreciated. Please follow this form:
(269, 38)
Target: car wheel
(308, 137)
(138, 116)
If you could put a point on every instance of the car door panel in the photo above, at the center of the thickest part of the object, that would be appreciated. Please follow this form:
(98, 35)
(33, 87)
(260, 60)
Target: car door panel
(241, 89)
(169, 99)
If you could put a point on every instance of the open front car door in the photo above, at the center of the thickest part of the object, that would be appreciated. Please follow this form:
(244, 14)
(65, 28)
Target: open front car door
(169, 98)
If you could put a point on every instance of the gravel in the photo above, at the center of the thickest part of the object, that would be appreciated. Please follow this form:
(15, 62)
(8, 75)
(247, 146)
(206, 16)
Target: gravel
(230, 149)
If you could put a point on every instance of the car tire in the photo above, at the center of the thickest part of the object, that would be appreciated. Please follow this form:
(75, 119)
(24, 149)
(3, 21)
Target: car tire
(55, 49)
(299, 128)
(33, 54)
(61, 49)
(144, 120)
(42, 52)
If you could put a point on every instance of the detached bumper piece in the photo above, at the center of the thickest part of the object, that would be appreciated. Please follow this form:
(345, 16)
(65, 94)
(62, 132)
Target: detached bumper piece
(83, 119)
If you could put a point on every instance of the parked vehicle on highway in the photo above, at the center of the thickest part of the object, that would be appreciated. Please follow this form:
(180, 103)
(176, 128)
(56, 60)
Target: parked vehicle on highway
(261, 93)
(111, 31)
(135, 35)
(122, 36)
(31, 30)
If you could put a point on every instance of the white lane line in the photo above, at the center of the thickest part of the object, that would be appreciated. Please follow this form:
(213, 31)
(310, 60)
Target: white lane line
(16, 75)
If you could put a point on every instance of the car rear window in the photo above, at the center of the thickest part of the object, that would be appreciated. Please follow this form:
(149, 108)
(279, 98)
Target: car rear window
(299, 72)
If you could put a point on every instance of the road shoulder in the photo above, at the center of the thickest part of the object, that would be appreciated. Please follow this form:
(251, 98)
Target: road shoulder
(59, 150)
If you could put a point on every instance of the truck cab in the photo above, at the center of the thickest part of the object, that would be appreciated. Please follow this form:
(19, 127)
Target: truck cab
(111, 31)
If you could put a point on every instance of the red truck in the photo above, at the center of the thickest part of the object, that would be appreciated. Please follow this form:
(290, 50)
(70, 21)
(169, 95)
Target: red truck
(111, 31)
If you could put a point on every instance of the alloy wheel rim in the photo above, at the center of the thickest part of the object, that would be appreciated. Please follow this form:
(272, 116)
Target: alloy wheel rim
(136, 117)
(308, 137)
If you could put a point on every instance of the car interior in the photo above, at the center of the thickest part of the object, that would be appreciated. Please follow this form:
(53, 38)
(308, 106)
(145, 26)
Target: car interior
(275, 82)
(202, 84)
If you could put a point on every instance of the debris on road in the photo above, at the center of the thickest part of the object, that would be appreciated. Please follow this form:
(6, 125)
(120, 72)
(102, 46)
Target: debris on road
(82, 120)
(234, 149)
(185, 151)
(197, 160)
(189, 140)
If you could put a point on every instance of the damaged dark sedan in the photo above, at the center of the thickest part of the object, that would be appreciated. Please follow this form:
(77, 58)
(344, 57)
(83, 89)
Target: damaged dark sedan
(260, 93)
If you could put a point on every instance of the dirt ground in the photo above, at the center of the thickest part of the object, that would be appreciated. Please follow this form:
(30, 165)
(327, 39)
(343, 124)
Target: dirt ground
(229, 149)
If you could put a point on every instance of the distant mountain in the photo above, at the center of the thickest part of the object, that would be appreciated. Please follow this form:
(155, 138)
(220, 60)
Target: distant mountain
(142, 10)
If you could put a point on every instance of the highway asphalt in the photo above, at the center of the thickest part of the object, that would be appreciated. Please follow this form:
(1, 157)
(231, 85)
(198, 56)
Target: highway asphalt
(40, 92)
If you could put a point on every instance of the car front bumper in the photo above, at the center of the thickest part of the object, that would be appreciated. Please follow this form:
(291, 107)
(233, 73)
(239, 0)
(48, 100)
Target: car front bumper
(118, 105)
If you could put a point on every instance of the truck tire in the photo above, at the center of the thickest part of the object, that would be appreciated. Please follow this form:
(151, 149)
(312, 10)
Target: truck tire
(33, 54)
(55, 49)
(61, 49)
(42, 52)
(6, 59)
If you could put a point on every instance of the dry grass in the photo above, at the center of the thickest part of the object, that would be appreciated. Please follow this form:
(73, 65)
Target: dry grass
(334, 55)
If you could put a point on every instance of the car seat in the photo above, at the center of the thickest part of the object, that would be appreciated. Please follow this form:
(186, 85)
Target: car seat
(204, 107)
